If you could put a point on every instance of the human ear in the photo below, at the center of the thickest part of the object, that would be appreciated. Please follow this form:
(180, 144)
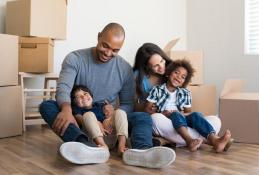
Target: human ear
(99, 35)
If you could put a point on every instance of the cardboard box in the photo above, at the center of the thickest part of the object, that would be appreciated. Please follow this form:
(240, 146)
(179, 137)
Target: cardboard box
(9, 60)
(41, 18)
(195, 57)
(204, 99)
(239, 112)
(11, 111)
(35, 55)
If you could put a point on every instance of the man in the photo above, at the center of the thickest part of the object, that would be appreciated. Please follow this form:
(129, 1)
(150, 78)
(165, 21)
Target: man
(108, 76)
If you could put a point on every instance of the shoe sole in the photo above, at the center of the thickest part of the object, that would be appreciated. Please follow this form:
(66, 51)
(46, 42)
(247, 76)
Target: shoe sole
(79, 153)
(156, 157)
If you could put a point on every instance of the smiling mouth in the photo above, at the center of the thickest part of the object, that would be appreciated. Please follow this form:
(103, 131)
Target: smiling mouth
(105, 58)
(176, 81)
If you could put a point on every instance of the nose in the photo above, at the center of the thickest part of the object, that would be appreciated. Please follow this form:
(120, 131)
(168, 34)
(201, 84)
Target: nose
(109, 53)
(160, 66)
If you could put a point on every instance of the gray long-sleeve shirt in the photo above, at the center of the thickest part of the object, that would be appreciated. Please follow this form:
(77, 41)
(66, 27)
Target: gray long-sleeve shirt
(107, 81)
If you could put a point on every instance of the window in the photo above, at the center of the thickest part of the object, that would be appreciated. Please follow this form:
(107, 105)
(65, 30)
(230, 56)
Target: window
(252, 27)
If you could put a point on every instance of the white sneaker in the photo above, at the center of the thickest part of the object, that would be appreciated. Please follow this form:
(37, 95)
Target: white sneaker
(79, 153)
(156, 157)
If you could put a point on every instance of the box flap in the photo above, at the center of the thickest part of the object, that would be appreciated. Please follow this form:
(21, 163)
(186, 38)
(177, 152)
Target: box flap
(232, 86)
(171, 44)
(242, 96)
(35, 40)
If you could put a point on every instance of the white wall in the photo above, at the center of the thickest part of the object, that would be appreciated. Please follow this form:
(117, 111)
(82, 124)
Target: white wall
(144, 21)
(217, 27)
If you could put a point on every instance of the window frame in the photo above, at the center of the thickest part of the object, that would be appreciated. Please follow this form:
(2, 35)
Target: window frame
(248, 44)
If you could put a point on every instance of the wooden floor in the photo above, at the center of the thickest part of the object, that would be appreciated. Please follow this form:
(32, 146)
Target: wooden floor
(35, 153)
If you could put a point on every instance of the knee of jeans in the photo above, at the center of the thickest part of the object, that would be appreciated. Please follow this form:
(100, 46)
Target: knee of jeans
(197, 114)
(143, 118)
(45, 105)
(176, 113)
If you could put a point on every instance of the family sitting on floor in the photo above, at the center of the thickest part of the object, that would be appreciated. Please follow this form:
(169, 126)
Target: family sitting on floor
(101, 100)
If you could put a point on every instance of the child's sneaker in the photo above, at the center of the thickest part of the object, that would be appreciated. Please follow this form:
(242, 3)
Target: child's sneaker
(156, 157)
(79, 153)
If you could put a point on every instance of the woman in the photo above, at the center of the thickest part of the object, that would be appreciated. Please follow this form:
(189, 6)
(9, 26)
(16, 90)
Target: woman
(149, 70)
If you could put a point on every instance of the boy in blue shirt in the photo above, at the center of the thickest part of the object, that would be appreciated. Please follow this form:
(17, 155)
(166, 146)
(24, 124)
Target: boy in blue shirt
(93, 119)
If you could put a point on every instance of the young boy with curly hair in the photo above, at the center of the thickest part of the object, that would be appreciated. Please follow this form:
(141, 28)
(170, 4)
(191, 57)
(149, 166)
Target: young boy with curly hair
(174, 101)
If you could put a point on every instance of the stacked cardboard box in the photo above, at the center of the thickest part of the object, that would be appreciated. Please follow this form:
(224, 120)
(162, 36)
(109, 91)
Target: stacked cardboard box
(35, 54)
(37, 18)
(31, 19)
(204, 99)
(239, 111)
(10, 92)
(204, 96)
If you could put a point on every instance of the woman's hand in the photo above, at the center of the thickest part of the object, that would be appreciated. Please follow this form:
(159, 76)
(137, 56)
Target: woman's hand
(166, 113)
(150, 108)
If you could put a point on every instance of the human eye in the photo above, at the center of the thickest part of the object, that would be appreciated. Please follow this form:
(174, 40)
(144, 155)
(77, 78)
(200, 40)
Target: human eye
(155, 66)
(77, 98)
(105, 45)
(86, 93)
(162, 60)
(115, 50)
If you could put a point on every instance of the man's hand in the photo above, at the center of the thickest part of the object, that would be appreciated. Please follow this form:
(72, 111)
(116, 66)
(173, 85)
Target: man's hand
(63, 119)
(108, 109)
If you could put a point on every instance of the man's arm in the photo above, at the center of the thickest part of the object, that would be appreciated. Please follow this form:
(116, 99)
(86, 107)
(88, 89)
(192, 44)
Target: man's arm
(66, 79)
(64, 87)
(127, 93)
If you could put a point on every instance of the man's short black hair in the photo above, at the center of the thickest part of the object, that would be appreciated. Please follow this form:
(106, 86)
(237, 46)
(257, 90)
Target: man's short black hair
(116, 28)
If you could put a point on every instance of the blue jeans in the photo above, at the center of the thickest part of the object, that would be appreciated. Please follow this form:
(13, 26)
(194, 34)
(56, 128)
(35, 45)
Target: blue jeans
(194, 120)
(49, 111)
(140, 129)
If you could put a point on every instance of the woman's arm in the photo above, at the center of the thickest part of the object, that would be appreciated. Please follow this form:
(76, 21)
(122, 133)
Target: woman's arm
(139, 106)
(187, 111)
(150, 108)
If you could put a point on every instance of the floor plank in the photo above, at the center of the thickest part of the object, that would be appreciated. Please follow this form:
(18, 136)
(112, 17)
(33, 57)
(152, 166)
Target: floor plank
(36, 153)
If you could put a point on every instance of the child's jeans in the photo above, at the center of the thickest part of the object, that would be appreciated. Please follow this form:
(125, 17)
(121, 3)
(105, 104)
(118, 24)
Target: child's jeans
(194, 120)
(120, 123)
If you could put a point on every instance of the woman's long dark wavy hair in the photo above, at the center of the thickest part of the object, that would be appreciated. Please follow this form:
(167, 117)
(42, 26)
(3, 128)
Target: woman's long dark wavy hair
(144, 53)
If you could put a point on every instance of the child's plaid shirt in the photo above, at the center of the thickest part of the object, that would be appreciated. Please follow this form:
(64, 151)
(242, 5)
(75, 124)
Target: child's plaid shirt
(159, 95)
